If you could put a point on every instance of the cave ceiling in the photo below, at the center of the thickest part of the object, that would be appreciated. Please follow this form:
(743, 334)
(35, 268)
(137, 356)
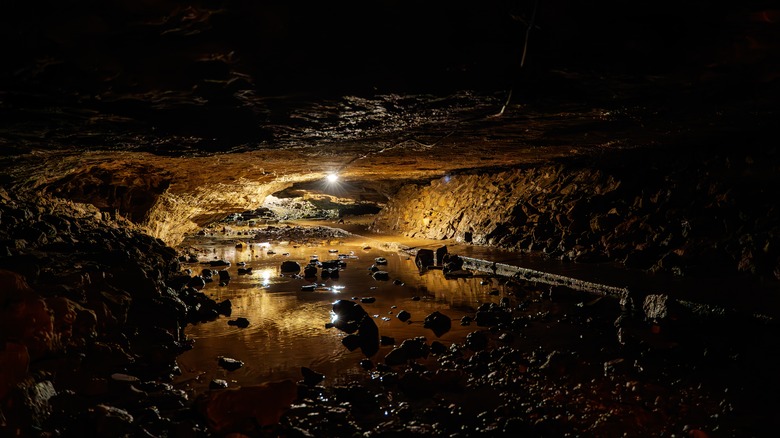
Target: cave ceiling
(129, 102)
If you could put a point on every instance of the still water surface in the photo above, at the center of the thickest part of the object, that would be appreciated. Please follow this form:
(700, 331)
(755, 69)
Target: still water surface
(287, 328)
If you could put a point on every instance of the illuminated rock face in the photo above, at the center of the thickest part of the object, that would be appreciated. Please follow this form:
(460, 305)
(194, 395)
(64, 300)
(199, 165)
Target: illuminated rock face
(644, 211)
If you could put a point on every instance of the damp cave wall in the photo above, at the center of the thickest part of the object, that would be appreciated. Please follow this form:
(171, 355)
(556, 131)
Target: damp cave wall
(708, 214)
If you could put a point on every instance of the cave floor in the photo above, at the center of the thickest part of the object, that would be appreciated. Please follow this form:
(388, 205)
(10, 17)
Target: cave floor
(565, 362)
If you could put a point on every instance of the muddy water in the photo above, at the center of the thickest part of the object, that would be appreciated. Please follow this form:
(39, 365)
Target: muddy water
(287, 328)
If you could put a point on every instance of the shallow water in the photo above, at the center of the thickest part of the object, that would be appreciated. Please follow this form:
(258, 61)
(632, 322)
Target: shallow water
(287, 325)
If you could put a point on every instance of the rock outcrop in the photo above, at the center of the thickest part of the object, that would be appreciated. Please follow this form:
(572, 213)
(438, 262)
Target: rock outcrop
(687, 215)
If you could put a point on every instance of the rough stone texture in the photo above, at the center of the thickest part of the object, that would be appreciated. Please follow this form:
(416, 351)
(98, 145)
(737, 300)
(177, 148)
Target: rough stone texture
(692, 216)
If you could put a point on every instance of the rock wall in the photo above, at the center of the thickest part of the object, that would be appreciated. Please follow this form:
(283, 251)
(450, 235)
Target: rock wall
(664, 213)
(166, 197)
(175, 214)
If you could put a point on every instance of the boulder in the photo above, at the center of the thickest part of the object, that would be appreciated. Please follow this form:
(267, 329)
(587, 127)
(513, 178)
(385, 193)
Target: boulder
(438, 322)
(290, 267)
(424, 259)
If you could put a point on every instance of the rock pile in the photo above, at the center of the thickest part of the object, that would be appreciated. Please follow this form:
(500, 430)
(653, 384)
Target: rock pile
(92, 314)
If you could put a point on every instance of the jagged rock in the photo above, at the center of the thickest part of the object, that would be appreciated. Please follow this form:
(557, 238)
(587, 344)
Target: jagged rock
(403, 315)
(441, 253)
(438, 322)
(424, 259)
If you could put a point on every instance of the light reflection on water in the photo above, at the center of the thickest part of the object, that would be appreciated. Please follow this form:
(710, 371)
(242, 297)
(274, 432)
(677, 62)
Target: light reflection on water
(287, 325)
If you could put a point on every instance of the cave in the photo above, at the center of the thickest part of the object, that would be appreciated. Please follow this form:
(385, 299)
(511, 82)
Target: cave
(496, 218)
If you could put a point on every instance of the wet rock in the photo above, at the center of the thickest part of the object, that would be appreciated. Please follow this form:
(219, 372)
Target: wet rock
(348, 315)
(476, 341)
(352, 342)
(218, 384)
(380, 261)
(330, 273)
(368, 300)
(309, 287)
(437, 348)
(403, 315)
(244, 271)
(381, 275)
(230, 364)
(352, 318)
(409, 349)
(367, 364)
(311, 377)
(373, 268)
(466, 320)
(244, 409)
(333, 264)
(218, 263)
(398, 282)
(239, 322)
(451, 263)
(387, 340)
(310, 271)
(225, 307)
(424, 259)
(290, 267)
(197, 283)
(224, 277)
(438, 322)
(441, 252)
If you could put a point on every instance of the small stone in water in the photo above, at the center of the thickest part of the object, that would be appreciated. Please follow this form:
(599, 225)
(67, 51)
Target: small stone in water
(404, 315)
(239, 322)
(230, 364)
(218, 384)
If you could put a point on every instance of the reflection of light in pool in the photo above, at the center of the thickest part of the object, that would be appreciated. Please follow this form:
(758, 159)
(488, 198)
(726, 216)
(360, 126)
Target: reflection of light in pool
(336, 289)
(333, 317)
(265, 276)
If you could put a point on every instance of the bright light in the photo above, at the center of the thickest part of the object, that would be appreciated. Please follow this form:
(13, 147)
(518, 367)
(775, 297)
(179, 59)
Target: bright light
(332, 177)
